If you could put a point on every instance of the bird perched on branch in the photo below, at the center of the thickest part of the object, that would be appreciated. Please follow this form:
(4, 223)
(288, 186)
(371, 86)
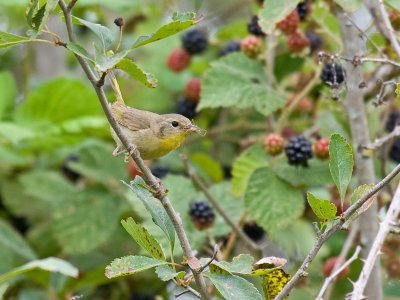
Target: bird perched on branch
(154, 135)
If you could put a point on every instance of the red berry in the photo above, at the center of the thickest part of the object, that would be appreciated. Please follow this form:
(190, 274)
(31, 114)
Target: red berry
(290, 23)
(338, 204)
(305, 105)
(330, 264)
(297, 42)
(192, 90)
(274, 144)
(321, 148)
(178, 60)
(251, 46)
(133, 170)
(288, 132)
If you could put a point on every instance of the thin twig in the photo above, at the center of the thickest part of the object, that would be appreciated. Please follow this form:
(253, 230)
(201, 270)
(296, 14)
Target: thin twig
(211, 259)
(389, 28)
(382, 92)
(383, 140)
(331, 230)
(196, 179)
(147, 175)
(384, 229)
(334, 274)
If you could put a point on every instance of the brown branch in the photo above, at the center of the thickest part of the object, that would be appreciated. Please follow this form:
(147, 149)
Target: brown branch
(132, 149)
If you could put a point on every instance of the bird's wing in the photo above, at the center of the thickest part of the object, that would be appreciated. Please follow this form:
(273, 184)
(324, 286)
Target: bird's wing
(133, 119)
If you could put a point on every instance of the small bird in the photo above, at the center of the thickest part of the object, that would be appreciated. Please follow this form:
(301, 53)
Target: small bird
(154, 135)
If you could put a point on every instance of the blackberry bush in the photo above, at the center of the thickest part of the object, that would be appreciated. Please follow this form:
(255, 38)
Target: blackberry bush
(202, 214)
(195, 41)
(298, 151)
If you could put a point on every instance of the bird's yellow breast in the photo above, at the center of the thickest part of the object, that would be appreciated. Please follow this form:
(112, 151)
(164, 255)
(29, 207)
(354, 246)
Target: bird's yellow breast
(172, 142)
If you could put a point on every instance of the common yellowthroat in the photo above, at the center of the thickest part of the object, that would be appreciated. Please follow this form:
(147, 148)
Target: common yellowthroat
(154, 135)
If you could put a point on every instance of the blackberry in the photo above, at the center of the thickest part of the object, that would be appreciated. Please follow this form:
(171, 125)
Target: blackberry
(392, 121)
(227, 172)
(68, 172)
(21, 224)
(186, 108)
(254, 28)
(195, 41)
(232, 46)
(202, 214)
(302, 10)
(315, 40)
(332, 74)
(253, 231)
(298, 151)
(160, 171)
(395, 150)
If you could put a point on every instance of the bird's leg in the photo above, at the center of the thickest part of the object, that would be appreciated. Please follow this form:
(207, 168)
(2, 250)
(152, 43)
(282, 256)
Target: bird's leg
(129, 152)
(118, 150)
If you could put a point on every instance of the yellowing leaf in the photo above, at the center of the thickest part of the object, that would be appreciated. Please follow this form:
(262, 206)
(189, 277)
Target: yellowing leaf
(323, 209)
(274, 282)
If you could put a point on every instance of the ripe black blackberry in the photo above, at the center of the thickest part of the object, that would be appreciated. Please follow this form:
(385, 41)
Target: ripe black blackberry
(315, 40)
(393, 120)
(395, 151)
(67, 171)
(298, 151)
(202, 214)
(302, 10)
(332, 74)
(232, 46)
(186, 108)
(195, 41)
(160, 171)
(253, 231)
(254, 28)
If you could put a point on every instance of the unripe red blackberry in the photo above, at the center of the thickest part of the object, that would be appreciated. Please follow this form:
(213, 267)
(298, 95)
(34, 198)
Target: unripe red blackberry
(251, 46)
(274, 144)
(202, 214)
(178, 60)
(298, 151)
(332, 74)
(321, 148)
(254, 28)
(302, 10)
(195, 41)
(186, 108)
(290, 23)
(192, 89)
(232, 46)
(296, 42)
(330, 264)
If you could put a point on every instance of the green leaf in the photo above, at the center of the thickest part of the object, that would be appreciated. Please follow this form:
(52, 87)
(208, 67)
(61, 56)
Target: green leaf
(181, 23)
(143, 238)
(103, 33)
(15, 133)
(360, 191)
(10, 239)
(79, 50)
(349, 5)
(30, 10)
(394, 3)
(185, 16)
(8, 94)
(137, 73)
(341, 162)
(274, 11)
(271, 202)
(166, 273)
(41, 17)
(242, 264)
(157, 211)
(129, 265)
(249, 160)
(233, 287)
(323, 209)
(51, 264)
(238, 81)
(8, 39)
(204, 164)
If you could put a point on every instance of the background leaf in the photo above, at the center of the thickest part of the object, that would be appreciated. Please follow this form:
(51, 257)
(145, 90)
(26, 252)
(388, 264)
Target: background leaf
(8, 95)
(129, 265)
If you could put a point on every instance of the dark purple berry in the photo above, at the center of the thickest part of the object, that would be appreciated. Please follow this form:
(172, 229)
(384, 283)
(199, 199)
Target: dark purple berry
(315, 40)
(298, 151)
(332, 74)
(202, 214)
(160, 171)
(253, 231)
(393, 120)
(394, 153)
(68, 172)
(230, 47)
(195, 41)
(254, 28)
(302, 10)
(186, 108)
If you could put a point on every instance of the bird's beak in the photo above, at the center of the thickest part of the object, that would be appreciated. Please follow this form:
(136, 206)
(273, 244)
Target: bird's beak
(193, 128)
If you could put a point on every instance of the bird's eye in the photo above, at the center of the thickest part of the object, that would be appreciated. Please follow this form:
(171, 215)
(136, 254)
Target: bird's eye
(174, 123)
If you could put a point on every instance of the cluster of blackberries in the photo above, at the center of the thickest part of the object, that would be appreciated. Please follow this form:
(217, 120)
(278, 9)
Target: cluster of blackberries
(332, 74)
(298, 151)
(202, 214)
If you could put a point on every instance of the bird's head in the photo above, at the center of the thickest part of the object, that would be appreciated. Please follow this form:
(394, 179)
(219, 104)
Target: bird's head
(175, 126)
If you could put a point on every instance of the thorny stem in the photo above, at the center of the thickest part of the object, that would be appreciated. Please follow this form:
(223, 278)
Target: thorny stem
(147, 175)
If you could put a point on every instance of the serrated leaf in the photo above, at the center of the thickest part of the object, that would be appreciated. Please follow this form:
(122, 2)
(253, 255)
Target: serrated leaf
(341, 162)
(271, 202)
(51, 264)
(233, 287)
(323, 209)
(8, 39)
(137, 73)
(143, 238)
(349, 5)
(79, 50)
(30, 10)
(129, 265)
(178, 16)
(8, 94)
(249, 160)
(103, 33)
(157, 211)
(274, 282)
(241, 264)
(166, 30)
(38, 17)
(274, 11)
(238, 81)
(166, 273)
(11, 239)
